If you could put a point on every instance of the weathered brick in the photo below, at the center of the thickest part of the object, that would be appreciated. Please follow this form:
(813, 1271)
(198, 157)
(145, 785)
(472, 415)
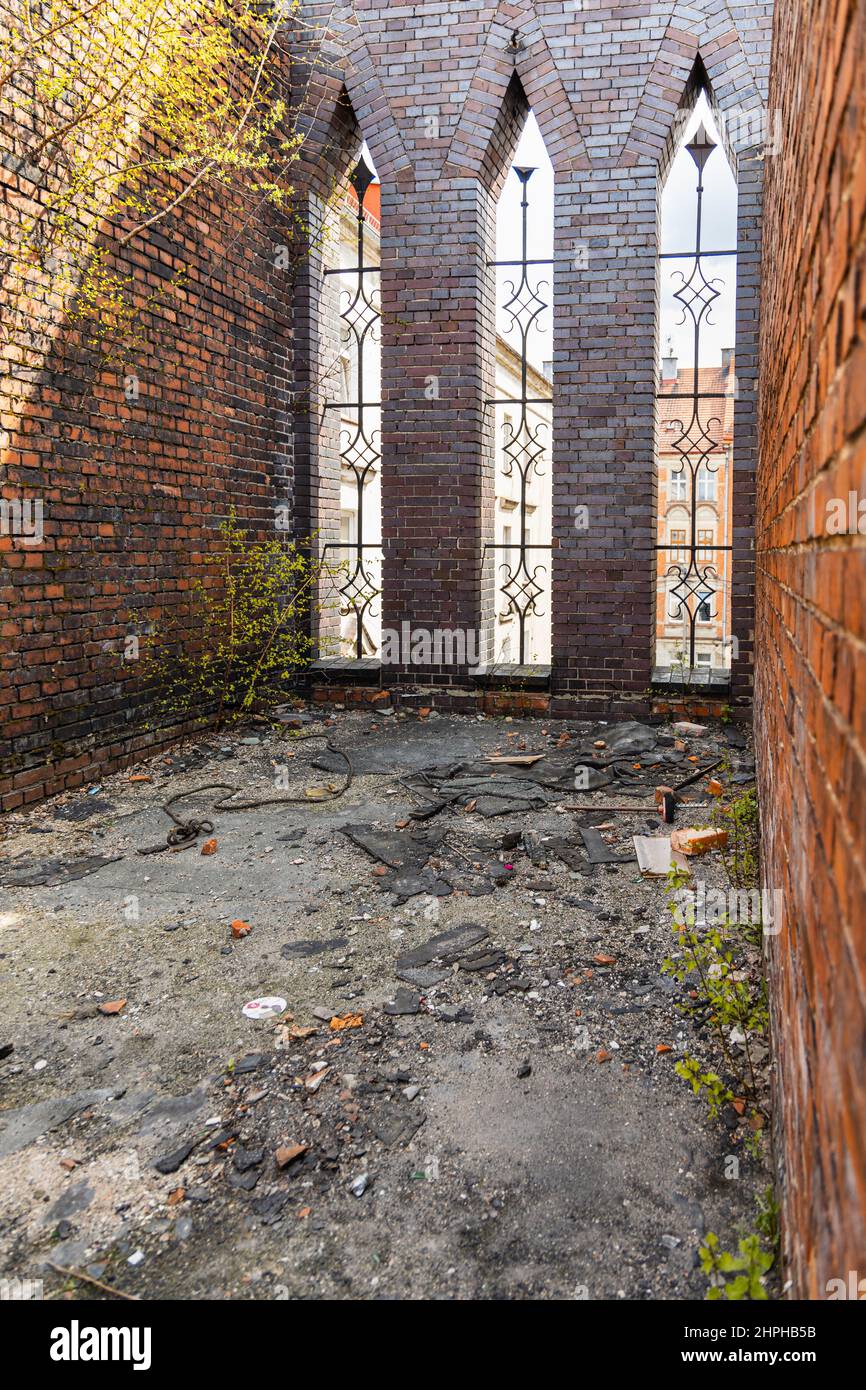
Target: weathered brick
(811, 624)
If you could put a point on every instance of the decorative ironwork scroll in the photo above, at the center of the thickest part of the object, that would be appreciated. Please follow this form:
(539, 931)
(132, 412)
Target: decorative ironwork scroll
(524, 582)
(360, 565)
(696, 580)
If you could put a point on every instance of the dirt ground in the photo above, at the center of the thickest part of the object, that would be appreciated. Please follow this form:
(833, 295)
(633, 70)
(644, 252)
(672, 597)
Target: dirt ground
(516, 1134)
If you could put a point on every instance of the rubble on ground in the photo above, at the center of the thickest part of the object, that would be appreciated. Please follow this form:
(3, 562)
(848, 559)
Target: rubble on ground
(441, 959)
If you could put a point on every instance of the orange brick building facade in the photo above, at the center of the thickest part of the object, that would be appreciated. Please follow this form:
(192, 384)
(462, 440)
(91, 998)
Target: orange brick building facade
(710, 475)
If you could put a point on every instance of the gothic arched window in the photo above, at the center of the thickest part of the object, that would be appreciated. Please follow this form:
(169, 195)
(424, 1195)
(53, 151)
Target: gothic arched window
(695, 406)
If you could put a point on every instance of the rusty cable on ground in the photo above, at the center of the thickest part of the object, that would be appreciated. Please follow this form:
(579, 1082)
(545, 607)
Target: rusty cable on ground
(95, 1283)
(186, 832)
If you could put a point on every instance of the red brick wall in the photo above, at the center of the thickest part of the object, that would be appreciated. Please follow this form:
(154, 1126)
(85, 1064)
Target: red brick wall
(810, 705)
(132, 491)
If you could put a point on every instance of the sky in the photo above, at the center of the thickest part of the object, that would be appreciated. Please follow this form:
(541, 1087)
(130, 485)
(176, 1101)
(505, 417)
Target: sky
(719, 232)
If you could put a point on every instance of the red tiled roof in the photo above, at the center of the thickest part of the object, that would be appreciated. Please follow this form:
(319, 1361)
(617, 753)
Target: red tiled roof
(715, 415)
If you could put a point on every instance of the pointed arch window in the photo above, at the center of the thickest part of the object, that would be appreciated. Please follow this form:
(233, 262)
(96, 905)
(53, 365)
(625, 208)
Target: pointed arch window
(522, 407)
(695, 407)
(355, 559)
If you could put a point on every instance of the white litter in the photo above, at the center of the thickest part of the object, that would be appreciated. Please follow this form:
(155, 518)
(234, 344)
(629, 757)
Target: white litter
(269, 1006)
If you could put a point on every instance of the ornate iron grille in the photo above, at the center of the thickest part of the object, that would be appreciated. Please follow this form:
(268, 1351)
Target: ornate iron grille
(360, 564)
(524, 583)
(696, 583)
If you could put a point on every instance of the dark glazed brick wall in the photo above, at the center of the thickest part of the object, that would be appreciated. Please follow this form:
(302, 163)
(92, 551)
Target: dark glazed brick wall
(810, 704)
(440, 92)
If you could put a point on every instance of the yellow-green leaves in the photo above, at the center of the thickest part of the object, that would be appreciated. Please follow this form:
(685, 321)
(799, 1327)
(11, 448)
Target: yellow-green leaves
(132, 107)
(243, 634)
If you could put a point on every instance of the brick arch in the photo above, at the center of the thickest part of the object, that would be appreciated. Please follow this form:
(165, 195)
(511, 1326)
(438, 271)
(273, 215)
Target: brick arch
(510, 79)
(731, 74)
(331, 142)
(549, 100)
(333, 74)
(367, 95)
(671, 87)
(489, 108)
(325, 116)
(687, 61)
(504, 138)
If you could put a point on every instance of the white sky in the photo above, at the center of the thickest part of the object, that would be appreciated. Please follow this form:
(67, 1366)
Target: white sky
(530, 151)
(718, 232)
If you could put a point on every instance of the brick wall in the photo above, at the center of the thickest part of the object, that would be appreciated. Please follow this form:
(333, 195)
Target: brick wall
(133, 489)
(439, 92)
(810, 705)
(229, 412)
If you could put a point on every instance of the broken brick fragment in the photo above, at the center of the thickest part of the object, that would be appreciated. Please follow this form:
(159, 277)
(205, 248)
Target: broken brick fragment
(692, 841)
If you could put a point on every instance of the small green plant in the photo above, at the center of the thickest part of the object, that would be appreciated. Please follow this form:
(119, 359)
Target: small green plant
(753, 1142)
(709, 1083)
(683, 667)
(749, 1267)
(739, 817)
(767, 1222)
(731, 998)
(243, 635)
